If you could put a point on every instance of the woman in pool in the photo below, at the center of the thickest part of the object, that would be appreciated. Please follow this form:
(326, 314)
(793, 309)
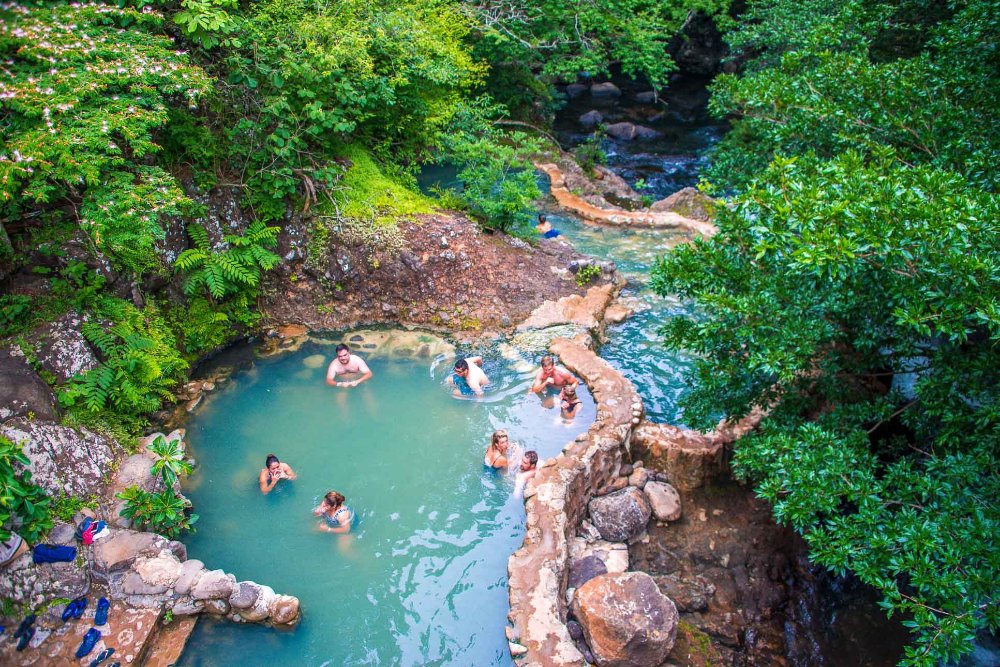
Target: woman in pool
(272, 472)
(496, 453)
(569, 403)
(337, 517)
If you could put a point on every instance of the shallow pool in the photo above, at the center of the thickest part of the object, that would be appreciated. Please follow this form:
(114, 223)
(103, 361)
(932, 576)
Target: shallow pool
(422, 580)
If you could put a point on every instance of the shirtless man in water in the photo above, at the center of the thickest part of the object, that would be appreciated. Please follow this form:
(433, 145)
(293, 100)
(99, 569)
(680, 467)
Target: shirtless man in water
(347, 364)
(550, 380)
(469, 377)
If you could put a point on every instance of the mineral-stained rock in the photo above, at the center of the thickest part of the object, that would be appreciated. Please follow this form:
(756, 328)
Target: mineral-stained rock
(688, 202)
(213, 584)
(62, 459)
(627, 621)
(189, 572)
(61, 348)
(664, 500)
(284, 610)
(22, 391)
(117, 552)
(244, 595)
(620, 516)
(162, 570)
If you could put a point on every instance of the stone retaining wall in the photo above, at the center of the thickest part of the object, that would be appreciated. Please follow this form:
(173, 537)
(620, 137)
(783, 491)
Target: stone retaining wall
(556, 501)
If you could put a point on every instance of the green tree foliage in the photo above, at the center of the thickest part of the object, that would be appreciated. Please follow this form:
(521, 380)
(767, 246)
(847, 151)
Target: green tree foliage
(312, 77)
(85, 85)
(164, 512)
(170, 463)
(858, 301)
(141, 361)
(23, 505)
(829, 76)
(559, 39)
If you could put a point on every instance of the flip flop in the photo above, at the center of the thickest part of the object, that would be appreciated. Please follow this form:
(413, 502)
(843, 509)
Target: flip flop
(25, 638)
(69, 611)
(104, 655)
(25, 624)
(89, 641)
(101, 617)
(81, 604)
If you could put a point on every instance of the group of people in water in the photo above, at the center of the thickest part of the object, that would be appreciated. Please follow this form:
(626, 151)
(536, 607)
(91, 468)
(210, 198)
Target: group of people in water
(468, 379)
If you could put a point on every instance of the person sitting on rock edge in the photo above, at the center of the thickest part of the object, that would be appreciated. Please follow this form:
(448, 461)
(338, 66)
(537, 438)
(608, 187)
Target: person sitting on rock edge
(272, 472)
(469, 378)
(346, 363)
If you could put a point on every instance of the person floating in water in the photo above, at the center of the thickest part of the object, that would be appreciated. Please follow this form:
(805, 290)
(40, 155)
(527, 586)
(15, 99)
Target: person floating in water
(550, 380)
(526, 470)
(347, 364)
(272, 472)
(337, 517)
(569, 403)
(496, 453)
(544, 227)
(469, 377)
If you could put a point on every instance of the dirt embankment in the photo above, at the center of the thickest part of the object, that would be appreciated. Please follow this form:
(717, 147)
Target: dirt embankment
(450, 275)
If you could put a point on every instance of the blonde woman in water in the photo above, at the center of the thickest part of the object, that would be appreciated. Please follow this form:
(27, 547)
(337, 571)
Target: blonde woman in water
(499, 454)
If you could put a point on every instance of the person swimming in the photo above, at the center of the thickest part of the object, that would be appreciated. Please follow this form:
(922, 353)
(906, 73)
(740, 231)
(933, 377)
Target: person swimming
(469, 378)
(544, 227)
(273, 471)
(496, 453)
(337, 517)
(526, 470)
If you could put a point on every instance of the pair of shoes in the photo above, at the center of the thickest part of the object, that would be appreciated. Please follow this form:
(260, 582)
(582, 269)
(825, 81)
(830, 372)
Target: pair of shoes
(89, 641)
(103, 606)
(105, 654)
(22, 643)
(74, 609)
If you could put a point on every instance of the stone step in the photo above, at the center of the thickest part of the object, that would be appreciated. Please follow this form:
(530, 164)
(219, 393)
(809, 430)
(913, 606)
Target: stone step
(128, 631)
(168, 644)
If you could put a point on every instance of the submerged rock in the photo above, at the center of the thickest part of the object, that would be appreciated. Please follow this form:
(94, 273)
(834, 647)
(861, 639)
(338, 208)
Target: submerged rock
(626, 620)
(620, 516)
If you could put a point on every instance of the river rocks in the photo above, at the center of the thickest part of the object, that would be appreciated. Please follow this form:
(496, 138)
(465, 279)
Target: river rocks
(261, 607)
(626, 131)
(61, 348)
(22, 391)
(190, 570)
(133, 584)
(690, 203)
(591, 119)
(117, 552)
(284, 609)
(664, 500)
(606, 89)
(575, 90)
(187, 607)
(62, 459)
(244, 595)
(626, 620)
(646, 97)
(620, 516)
(639, 478)
(213, 584)
(162, 570)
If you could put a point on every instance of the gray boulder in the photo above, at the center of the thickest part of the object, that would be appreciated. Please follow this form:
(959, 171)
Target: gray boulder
(646, 97)
(626, 620)
(606, 89)
(22, 391)
(575, 90)
(62, 459)
(620, 516)
(582, 570)
(626, 131)
(591, 119)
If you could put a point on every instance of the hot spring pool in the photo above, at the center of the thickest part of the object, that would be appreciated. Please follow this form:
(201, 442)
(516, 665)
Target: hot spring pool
(422, 578)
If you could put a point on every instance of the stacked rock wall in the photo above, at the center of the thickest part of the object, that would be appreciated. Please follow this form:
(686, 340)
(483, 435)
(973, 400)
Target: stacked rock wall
(556, 502)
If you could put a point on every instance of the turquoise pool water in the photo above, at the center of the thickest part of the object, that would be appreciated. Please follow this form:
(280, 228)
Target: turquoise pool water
(635, 347)
(422, 580)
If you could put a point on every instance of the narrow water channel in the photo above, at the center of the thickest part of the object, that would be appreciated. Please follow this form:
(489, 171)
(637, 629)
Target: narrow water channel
(422, 580)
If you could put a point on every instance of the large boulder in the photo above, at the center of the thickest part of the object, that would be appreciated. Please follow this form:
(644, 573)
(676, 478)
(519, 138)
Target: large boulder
(575, 90)
(690, 203)
(61, 349)
(119, 551)
(22, 392)
(626, 620)
(63, 459)
(620, 516)
(626, 131)
(591, 119)
(664, 500)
